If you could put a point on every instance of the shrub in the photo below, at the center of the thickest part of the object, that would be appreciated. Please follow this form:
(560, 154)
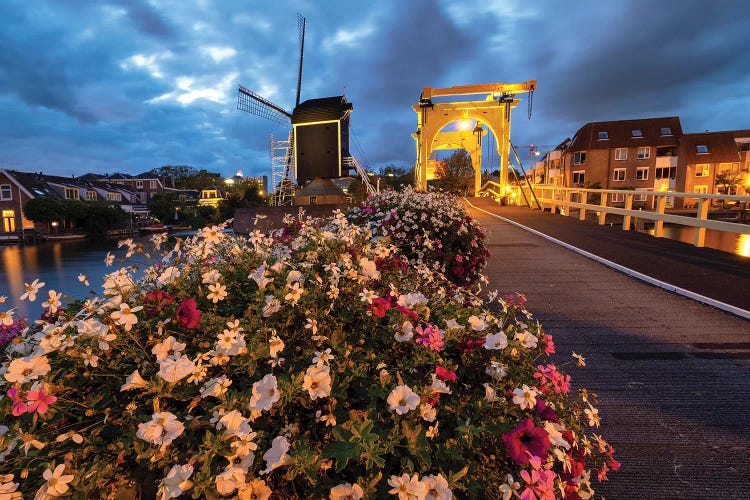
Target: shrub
(432, 228)
(310, 362)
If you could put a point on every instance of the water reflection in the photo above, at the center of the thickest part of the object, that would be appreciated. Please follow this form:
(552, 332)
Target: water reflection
(727, 242)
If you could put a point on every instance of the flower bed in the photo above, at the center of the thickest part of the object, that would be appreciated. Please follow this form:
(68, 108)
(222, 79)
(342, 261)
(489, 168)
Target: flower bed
(428, 227)
(307, 363)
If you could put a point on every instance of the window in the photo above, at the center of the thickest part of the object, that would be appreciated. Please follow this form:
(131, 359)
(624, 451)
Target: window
(139, 185)
(578, 176)
(603, 136)
(152, 184)
(641, 174)
(313, 200)
(636, 132)
(114, 196)
(701, 148)
(619, 174)
(90, 195)
(666, 131)
(5, 192)
(641, 196)
(744, 146)
(579, 157)
(703, 189)
(666, 172)
(71, 194)
(702, 170)
(617, 197)
(644, 153)
(621, 154)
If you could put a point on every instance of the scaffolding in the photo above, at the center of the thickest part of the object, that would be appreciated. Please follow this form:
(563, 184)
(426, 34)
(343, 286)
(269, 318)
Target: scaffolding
(282, 170)
(350, 162)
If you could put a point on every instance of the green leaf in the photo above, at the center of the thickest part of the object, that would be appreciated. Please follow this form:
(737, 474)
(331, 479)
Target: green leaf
(342, 452)
(417, 442)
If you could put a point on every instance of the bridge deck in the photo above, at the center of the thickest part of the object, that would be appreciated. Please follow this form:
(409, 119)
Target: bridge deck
(671, 373)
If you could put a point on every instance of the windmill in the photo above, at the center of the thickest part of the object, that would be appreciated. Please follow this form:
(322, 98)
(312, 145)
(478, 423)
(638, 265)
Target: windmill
(317, 145)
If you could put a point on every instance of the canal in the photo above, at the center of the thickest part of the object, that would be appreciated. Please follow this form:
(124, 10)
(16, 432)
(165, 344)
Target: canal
(58, 264)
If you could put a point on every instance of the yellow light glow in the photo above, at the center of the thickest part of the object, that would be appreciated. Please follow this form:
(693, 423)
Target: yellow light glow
(464, 124)
(743, 245)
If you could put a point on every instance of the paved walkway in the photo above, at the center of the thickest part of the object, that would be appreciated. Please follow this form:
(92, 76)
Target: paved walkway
(673, 375)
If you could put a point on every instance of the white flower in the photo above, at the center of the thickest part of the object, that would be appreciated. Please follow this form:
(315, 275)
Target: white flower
(57, 483)
(428, 412)
(317, 381)
(367, 296)
(346, 491)
(212, 234)
(162, 429)
(6, 318)
(276, 345)
(477, 323)
(218, 292)
(53, 302)
(294, 276)
(490, 394)
(593, 416)
(216, 387)
(83, 279)
(452, 324)
(109, 259)
(525, 397)
(497, 341)
(439, 385)
(580, 360)
(211, 276)
(265, 394)
(437, 488)
(234, 424)
(407, 488)
(496, 370)
(323, 357)
(406, 332)
(169, 275)
(229, 480)
(125, 316)
(402, 399)
(8, 488)
(271, 306)
(527, 339)
(255, 490)
(167, 347)
(176, 482)
(173, 370)
(276, 456)
(555, 435)
(368, 269)
(295, 293)
(31, 290)
(134, 381)
(411, 300)
(22, 370)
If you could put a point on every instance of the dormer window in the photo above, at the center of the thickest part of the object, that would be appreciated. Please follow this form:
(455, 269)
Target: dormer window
(666, 131)
(71, 194)
(636, 132)
(701, 148)
(603, 136)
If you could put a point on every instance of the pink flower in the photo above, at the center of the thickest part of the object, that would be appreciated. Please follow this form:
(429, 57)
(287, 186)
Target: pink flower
(445, 374)
(188, 315)
(19, 407)
(430, 337)
(549, 345)
(540, 482)
(39, 401)
(526, 441)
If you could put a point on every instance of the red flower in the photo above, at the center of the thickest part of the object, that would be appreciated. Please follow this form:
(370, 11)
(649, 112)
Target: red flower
(188, 315)
(526, 441)
(445, 374)
(154, 302)
(379, 307)
(545, 412)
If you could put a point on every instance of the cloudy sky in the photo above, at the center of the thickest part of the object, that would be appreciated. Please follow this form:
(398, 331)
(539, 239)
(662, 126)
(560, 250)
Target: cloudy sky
(129, 85)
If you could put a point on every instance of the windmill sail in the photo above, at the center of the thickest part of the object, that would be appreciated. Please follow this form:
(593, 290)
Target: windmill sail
(254, 104)
(301, 22)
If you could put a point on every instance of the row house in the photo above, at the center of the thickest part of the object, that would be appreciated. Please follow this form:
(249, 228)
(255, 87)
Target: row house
(144, 185)
(17, 188)
(651, 154)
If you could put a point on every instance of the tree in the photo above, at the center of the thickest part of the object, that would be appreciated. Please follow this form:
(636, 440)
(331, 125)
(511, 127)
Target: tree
(727, 182)
(43, 209)
(395, 177)
(455, 173)
(164, 205)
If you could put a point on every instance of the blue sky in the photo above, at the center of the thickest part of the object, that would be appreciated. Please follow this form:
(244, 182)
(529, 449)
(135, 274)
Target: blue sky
(129, 85)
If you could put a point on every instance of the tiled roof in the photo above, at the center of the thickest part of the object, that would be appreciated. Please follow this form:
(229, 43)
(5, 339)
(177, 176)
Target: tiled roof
(720, 145)
(620, 134)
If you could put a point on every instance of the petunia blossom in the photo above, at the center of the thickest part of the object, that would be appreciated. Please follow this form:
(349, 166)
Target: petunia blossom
(402, 399)
(276, 456)
(176, 482)
(317, 381)
(162, 429)
(346, 491)
(526, 441)
(265, 394)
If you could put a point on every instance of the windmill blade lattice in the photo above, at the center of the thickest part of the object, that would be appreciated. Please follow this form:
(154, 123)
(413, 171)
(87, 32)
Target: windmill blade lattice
(254, 104)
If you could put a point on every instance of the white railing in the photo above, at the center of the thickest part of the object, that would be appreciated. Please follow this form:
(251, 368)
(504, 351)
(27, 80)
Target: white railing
(565, 199)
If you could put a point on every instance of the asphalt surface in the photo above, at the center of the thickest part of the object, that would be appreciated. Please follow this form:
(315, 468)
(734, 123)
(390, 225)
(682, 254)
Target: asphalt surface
(672, 374)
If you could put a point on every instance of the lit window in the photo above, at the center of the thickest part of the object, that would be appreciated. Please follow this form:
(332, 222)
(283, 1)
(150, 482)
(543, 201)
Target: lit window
(578, 176)
(579, 157)
(603, 135)
(619, 174)
(644, 153)
(5, 192)
(621, 154)
(641, 174)
(700, 189)
(90, 195)
(617, 197)
(71, 194)
(636, 132)
(701, 148)
(313, 200)
(703, 170)
(640, 197)
(666, 131)
(114, 196)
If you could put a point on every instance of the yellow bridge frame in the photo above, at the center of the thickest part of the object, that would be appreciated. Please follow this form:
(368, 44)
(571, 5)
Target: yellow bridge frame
(493, 111)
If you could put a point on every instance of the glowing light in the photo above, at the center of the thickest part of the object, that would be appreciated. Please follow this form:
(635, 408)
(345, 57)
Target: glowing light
(464, 124)
(743, 245)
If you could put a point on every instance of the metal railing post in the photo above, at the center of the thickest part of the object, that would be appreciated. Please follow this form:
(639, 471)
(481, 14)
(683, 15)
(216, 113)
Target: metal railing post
(628, 206)
(700, 232)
